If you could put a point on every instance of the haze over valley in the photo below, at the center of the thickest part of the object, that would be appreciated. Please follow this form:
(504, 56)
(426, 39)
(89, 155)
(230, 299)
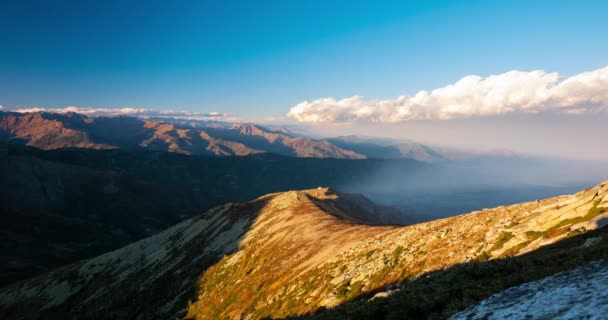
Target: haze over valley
(303, 160)
(457, 180)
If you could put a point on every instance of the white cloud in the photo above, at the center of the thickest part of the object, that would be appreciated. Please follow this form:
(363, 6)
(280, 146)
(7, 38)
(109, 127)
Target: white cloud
(509, 92)
(136, 112)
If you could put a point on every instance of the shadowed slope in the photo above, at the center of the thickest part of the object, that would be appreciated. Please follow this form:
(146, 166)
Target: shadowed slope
(60, 206)
(580, 293)
(155, 277)
(151, 278)
(291, 253)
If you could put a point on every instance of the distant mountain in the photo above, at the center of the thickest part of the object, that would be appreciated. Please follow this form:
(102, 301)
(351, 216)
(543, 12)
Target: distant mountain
(319, 254)
(367, 147)
(372, 147)
(48, 130)
(281, 143)
(211, 138)
(52, 130)
(63, 205)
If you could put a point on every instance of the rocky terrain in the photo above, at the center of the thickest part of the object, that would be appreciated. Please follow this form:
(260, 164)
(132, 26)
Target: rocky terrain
(151, 270)
(63, 205)
(579, 293)
(53, 130)
(318, 253)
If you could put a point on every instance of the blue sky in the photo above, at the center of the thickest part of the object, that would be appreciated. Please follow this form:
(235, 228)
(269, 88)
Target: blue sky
(259, 58)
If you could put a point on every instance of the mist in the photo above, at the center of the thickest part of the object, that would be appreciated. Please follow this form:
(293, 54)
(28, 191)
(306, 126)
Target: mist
(453, 187)
(580, 137)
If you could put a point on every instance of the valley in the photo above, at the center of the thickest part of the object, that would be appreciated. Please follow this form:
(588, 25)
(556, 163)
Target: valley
(303, 160)
(84, 201)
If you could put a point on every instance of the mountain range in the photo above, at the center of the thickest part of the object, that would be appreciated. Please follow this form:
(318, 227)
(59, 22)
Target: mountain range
(141, 218)
(47, 131)
(53, 130)
(321, 254)
(96, 188)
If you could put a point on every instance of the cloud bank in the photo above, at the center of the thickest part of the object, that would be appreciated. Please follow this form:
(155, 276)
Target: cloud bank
(472, 96)
(135, 112)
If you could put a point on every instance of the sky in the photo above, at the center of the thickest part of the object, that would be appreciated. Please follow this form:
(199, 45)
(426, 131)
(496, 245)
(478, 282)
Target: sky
(436, 71)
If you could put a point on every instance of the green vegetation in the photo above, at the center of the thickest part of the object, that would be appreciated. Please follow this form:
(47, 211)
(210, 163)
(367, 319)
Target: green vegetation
(378, 278)
(348, 291)
(564, 226)
(397, 253)
(533, 235)
(484, 256)
(591, 214)
(515, 249)
(595, 210)
(503, 238)
(442, 294)
(369, 254)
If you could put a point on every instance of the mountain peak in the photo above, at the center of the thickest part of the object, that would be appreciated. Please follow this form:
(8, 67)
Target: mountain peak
(251, 129)
(329, 258)
(47, 131)
(291, 253)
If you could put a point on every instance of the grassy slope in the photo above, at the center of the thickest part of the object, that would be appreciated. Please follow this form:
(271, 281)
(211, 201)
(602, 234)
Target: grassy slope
(441, 294)
(296, 253)
(282, 276)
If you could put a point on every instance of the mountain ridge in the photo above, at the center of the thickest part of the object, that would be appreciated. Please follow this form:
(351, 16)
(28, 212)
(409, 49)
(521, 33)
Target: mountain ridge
(84, 202)
(46, 130)
(398, 148)
(59, 130)
(292, 253)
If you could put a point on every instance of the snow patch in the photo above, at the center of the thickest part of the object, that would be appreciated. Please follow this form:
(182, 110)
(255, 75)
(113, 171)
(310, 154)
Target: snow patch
(580, 293)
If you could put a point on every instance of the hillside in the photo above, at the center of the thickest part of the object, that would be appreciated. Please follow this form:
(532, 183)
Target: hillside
(578, 293)
(84, 202)
(54, 130)
(297, 252)
(165, 265)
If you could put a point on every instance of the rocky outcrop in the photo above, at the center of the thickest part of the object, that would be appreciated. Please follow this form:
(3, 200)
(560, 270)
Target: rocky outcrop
(292, 253)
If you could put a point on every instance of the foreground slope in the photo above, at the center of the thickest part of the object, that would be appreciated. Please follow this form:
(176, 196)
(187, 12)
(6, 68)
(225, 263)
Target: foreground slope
(580, 293)
(289, 254)
(155, 277)
(369, 258)
(147, 279)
